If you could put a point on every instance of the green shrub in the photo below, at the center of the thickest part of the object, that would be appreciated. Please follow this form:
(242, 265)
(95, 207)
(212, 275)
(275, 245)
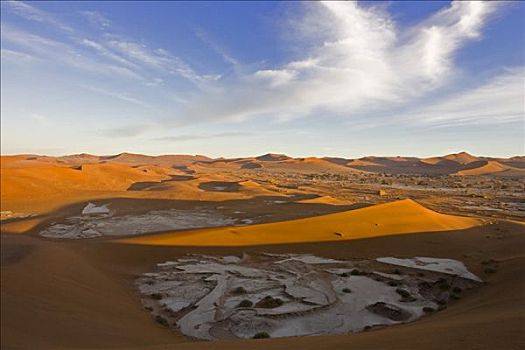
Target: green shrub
(403, 293)
(261, 335)
(239, 290)
(347, 290)
(162, 321)
(457, 290)
(156, 296)
(245, 303)
(488, 261)
(393, 283)
(490, 270)
(269, 302)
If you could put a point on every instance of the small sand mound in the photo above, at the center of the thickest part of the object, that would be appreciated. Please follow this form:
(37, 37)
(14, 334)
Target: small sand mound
(325, 200)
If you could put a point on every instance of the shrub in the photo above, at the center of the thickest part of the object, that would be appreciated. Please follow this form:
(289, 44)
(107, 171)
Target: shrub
(347, 290)
(239, 290)
(355, 272)
(443, 284)
(245, 303)
(269, 302)
(156, 296)
(393, 283)
(490, 270)
(403, 293)
(396, 271)
(408, 299)
(488, 262)
(455, 296)
(457, 290)
(428, 309)
(261, 335)
(162, 321)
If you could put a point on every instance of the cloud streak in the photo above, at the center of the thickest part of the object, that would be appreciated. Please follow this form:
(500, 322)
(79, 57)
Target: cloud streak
(193, 137)
(500, 100)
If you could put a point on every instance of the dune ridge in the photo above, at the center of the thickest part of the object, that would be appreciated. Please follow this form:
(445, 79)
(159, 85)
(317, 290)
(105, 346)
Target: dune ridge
(399, 217)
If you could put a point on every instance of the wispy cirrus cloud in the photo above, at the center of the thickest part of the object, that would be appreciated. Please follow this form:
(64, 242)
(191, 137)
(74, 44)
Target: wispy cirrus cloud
(119, 96)
(32, 13)
(17, 56)
(500, 100)
(128, 131)
(126, 56)
(60, 52)
(97, 19)
(193, 137)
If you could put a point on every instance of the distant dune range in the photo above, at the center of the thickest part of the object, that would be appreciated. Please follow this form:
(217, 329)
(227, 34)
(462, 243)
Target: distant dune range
(68, 178)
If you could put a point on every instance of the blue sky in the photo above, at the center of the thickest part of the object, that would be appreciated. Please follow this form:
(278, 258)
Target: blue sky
(245, 78)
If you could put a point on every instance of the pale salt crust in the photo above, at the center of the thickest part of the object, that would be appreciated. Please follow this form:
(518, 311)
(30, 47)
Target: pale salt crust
(448, 266)
(200, 295)
(99, 221)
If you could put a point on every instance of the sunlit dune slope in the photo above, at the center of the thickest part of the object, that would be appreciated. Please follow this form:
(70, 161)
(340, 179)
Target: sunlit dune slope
(30, 182)
(324, 200)
(30, 188)
(494, 168)
(405, 216)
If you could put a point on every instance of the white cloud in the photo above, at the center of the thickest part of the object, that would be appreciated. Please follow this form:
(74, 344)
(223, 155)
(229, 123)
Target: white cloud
(119, 96)
(97, 19)
(159, 59)
(364, 64)
(276, 77)
(58, 52)
(17, 57)
(32, 13)
(501, 100)
(39, 118)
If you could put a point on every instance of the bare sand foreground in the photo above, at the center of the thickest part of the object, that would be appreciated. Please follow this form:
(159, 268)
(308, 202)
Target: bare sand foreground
(80, 293)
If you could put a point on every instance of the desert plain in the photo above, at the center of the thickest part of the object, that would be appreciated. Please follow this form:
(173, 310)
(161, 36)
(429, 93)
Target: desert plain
(188, 252)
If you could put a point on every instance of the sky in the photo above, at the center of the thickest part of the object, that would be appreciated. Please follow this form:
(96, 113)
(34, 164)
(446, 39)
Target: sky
(346, 79)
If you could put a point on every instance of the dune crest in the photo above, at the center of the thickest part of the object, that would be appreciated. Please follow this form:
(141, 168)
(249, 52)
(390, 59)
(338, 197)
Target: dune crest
(399, 217)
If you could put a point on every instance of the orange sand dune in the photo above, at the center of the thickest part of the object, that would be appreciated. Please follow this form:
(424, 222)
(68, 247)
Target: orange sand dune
(492, 167)
(462, 157)
(307, 165)
(400, 217)
(30, 189)
(32, 183)
(325, 200)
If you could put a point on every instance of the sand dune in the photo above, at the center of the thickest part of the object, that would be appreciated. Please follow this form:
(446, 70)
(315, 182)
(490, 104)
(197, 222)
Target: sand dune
(400, 217)
(462, 157)
(492, 167)
(325, 200)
